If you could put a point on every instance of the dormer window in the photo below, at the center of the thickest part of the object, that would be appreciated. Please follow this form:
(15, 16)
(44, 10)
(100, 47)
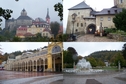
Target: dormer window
(115, 11)
(108, 11)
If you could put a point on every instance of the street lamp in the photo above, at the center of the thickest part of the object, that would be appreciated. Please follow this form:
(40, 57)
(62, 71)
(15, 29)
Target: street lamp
(73, 20)
(101, 29)
(85, 28)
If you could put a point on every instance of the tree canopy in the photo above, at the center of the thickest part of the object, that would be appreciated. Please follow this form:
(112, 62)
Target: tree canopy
(120, 20)
(124, 51)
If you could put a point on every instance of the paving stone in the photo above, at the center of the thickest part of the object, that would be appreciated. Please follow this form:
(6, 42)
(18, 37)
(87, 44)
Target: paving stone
(92, 81)
(92, 38)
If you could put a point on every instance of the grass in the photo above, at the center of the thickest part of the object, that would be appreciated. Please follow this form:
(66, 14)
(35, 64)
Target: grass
(110, 68)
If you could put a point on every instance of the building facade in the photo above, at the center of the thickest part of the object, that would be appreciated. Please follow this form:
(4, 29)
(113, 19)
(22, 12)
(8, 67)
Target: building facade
(23, 32)
(48, 58)
(25, 20)
(84, 19)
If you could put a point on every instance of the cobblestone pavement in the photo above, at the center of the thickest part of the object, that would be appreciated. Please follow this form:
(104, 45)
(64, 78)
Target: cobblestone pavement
(11, 77)
(115, 78)
(92, 38)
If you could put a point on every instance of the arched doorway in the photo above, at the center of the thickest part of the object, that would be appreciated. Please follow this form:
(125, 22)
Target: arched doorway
(91, 29)
(56, 58)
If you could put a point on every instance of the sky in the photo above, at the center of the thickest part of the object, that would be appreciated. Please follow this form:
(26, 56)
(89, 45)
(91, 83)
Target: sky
(34, 8)
(95, 4)
(86, 48)
(82, 48)
(10, 47)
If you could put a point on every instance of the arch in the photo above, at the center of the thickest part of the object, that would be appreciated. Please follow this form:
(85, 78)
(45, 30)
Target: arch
(91, 28)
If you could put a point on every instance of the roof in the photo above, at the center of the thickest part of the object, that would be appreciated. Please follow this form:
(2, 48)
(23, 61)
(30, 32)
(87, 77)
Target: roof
(46, 29)
(109, 11)
(22, 28)
(39, 20)
(28, 34)
(19, 34)
(61, 29)
(47, 16)
(11, 20)
(24, 18)
(81, 5)
(93, 12)
(89, 17)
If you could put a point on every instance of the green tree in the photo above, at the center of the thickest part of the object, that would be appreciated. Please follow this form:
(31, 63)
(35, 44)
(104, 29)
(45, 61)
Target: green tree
(59, 7)
(16, 39)
(55, 26)
(120, 58)
(124, 51)
(5, 13)
(92, 61)
(120, 20)
(67, 59)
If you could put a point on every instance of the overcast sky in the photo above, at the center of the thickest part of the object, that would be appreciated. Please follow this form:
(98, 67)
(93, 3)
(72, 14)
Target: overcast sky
(86, 48)
(95, 4)
(82, 48)
(34, 8)
(10, 47)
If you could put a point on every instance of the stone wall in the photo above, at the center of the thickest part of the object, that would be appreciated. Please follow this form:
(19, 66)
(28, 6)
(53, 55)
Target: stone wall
(78, 20)
(118, 37)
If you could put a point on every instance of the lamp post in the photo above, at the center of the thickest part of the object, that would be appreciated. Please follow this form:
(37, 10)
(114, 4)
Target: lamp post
(85, 28)
(101, 29)
(73, 20)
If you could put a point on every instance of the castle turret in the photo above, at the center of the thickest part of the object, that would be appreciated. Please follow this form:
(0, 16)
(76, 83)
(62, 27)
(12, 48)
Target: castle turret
(23, 12)
(47, 16)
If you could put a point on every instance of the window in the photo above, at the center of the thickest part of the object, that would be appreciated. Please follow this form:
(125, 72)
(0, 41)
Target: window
(46, 34)
(101, 18)
(77, 24)
(43, 34)
(81, 24)
(121, 1)
(109, 18)
(82, 16)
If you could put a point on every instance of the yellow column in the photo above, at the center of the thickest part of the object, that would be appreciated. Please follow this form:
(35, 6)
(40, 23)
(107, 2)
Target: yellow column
(49, 62)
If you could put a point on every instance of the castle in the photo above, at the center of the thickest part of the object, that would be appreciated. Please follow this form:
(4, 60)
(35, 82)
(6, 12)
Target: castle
(25, 20)
(84, 19)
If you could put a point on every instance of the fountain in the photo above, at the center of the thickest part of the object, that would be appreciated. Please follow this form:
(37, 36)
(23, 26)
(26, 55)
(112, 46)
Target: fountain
(83, 66)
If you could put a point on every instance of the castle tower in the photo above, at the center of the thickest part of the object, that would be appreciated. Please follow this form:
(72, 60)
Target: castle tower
(23, 12)
(120, 3)
(47, 16)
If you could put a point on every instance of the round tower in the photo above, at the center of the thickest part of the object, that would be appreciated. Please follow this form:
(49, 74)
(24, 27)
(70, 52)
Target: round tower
(47, 17)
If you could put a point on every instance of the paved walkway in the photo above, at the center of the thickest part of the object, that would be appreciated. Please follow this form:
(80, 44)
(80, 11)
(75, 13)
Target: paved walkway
(11, 77)
(92, 38)
(115, 78)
